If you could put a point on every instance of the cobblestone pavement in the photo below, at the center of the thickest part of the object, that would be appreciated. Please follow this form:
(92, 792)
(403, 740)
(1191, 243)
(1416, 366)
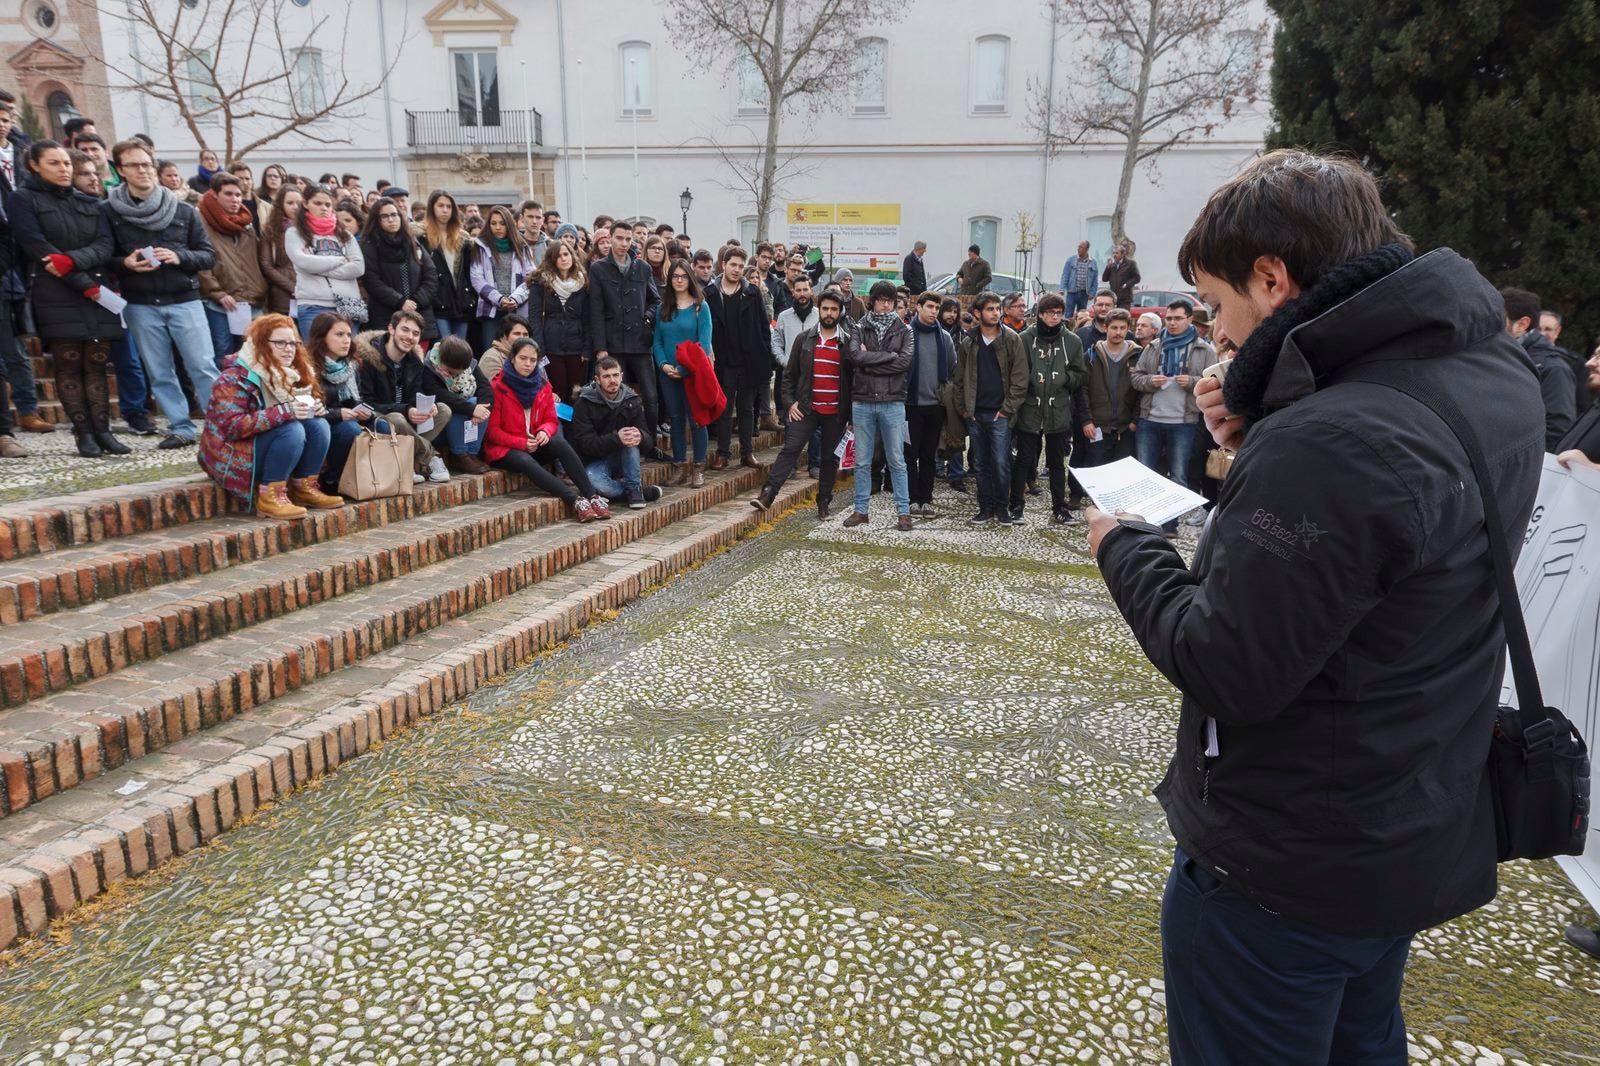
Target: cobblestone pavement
(54, 467)
(835, 797)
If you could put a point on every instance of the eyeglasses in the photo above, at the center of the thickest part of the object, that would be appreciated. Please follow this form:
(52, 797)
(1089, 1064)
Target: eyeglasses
(284, 346)
(136, 166)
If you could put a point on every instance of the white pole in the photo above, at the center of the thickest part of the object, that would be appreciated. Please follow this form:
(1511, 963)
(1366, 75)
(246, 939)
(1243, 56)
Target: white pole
(388, 106)
(527, 124)
(583, 142)
(634, 77)
(566, 130)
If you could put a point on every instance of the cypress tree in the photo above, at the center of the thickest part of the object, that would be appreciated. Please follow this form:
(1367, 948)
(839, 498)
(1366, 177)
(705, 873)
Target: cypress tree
(1481, 119)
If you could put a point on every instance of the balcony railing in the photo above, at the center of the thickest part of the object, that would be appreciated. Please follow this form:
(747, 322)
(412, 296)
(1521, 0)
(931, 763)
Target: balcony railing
(445, 130)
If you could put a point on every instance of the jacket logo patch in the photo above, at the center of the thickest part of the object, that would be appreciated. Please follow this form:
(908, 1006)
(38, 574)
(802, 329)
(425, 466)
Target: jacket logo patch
(1309, 533)
(1301, 536)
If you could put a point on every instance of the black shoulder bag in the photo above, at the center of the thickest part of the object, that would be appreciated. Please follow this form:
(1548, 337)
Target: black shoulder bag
(1538, 764)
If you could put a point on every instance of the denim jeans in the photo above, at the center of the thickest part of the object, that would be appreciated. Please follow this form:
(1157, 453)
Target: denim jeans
(676, 401)
(615, 475)
(305, 314)
(455, 432)
(1176, 439)
(453, 327)
(991, 462)
(159, 330)
(293, 449)
(223, 340)
(18, 368)
(342, 436)
(883, 423)
(133, 391)
(1077, 301)
(1245, 985)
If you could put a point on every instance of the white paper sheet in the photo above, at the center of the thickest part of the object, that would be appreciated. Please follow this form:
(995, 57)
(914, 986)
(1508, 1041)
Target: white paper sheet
(844, 443)
(1128, 485)
(1099, 435)
(110, 300)
(239, 320)
(425, 403)
(469, 434)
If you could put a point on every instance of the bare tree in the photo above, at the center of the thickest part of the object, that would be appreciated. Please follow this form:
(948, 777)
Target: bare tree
(1166, 72)
(803, 52)
(744, 155)
(237, 74)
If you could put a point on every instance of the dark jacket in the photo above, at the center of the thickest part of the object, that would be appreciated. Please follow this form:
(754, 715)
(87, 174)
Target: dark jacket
(482, 389)
(880, 363)
(1584, 435)
(741, 333)
(915, 274)
(454, 297)
(1340, 623)
(1013, 361)
(380, 378)
(1120, 278)
(397, 271)
(974, 276)
(1111, 413)
(560, 329)
(45, 220)
(1056, 374)
(1555, 386)
(172, 283)
(801, 371)
(622, 306)
(593, 431)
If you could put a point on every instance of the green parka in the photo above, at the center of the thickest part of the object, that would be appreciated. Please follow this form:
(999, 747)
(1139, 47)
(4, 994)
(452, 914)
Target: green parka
(1056, 376)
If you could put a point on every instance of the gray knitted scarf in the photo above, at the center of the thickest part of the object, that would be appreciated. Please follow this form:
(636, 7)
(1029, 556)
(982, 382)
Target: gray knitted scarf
(155, 212)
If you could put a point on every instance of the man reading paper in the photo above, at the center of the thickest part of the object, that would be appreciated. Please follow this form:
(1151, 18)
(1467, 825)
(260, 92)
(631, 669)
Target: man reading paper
(1337, 639)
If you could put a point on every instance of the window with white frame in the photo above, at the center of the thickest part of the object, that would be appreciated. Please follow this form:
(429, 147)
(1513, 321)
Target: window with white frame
(638, 79)
(200, 87)
(991, 61)
(752, 87)
(1116, 71)
(309, 95)
(872, 81)
(1239, 52)
(477, 75)
(1097, 231)
(747, 231)
(984, 231)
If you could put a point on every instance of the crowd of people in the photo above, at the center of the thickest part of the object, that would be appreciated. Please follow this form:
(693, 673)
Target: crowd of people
(271, 321)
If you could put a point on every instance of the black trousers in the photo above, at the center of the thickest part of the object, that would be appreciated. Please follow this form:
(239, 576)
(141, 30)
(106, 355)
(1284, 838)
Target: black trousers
(1057, 446)
(797, 435)
(640, 372)
(530, 467)
(741, 384)
(924, 424)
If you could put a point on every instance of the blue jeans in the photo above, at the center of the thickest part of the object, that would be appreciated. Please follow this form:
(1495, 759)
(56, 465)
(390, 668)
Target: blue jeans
(305, 314)
(615, 475)
(1247, 986)
(133, 392)
(886, 422)
(1077, 301)
(1177, 440)
(341, 436)
(991, 463)
(293, 449)
(159, 330)
(453, 327)
(19, 371)
(223, 340)
(455, 431)
(683, 424)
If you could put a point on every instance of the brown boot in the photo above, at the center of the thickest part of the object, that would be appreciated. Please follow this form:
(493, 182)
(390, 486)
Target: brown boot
(748, 460)
(272, 501)
(681, 474)
(763, 500)
(856, 519)
(718, 462)
(307, 493)
(32, 423)
(697, 477)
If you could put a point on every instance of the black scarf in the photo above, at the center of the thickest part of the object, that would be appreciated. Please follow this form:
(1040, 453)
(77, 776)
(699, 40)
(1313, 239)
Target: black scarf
(1246, 383)
(1049, 333)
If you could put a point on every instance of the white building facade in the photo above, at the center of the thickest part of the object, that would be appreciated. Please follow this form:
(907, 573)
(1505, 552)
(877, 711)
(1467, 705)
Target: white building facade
(598, 105)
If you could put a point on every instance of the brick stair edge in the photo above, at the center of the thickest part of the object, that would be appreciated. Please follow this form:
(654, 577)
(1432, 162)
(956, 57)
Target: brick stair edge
(61, 874)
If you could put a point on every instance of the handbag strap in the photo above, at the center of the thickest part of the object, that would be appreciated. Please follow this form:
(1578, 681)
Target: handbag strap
(1537, 728)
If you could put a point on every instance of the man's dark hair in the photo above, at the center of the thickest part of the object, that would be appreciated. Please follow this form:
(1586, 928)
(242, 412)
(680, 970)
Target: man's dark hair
(235, 168)
(382, 184)
(902, 290)
(95, 138)
(933, 298)
(122, 148)
(1119, 315)
(454, 353)
(7, 97)
(606, 362)
(510, 319)
(1051, 301)
(833, 296)
(1553, 314)
(1182, 305)
(766, 246)
(704, 256)
(221, 180)
(1313, 212)
(603, 222)
(730, 251)
(1520, 303)
(551, 213)
(973, 248)
(346, 179)
(618, 224)
(530, 205)
(163, 164)
(329, 179)
(403, 315)
(144, 138)
(665, 227)
(70, 128)
(982, 300)
(881, 290)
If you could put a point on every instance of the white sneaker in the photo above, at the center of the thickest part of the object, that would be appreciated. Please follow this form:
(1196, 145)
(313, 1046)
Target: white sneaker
(416, 478)
(1196, 518)
(436, 470)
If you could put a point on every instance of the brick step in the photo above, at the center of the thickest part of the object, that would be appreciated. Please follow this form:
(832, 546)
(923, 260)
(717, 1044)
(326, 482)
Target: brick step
(51, 743)
(52, 524)
(73, 846)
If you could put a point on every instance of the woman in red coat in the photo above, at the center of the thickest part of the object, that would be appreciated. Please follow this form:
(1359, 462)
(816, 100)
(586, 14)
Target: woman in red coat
(522, 433)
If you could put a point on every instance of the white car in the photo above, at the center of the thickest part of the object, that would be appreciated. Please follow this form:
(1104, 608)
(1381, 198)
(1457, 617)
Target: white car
(1002, 285)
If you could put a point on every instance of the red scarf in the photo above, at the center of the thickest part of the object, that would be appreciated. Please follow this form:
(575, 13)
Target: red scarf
(217, 217)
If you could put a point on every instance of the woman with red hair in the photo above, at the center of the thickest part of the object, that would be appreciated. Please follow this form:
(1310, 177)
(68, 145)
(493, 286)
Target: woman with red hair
(265, 438)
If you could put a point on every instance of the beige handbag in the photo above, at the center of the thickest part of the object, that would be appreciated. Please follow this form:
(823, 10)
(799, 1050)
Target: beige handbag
(378, 466)
(1218, 462)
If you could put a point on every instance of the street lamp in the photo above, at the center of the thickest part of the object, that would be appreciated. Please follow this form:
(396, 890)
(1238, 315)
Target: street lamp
(685, 198)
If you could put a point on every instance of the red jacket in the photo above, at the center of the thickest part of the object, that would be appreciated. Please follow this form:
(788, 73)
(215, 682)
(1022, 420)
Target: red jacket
(510, 424)
(706, 399)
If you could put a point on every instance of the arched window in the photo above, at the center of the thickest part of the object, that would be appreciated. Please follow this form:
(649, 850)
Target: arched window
(872, 76)
(638, 79)
(991, 62)
(60, 107)
(984, 231)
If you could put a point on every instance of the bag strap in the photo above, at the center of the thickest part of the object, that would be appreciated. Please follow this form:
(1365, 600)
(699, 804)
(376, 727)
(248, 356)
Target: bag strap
(1537, 728)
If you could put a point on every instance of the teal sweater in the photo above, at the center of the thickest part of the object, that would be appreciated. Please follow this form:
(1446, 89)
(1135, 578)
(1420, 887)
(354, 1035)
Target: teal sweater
(688, 324)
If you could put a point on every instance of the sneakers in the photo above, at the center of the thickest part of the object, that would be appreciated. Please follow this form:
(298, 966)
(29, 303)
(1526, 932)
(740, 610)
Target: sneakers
(416, 478)
(172, 442)
(652, 493)
(636, 499)
(982, 518)
(10, 449)
(1033, 488)
(583, 510)
(1197, 519)
(436, 470)
(601, 507)
(958, 485)
(1064, 517)
(141, 423)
